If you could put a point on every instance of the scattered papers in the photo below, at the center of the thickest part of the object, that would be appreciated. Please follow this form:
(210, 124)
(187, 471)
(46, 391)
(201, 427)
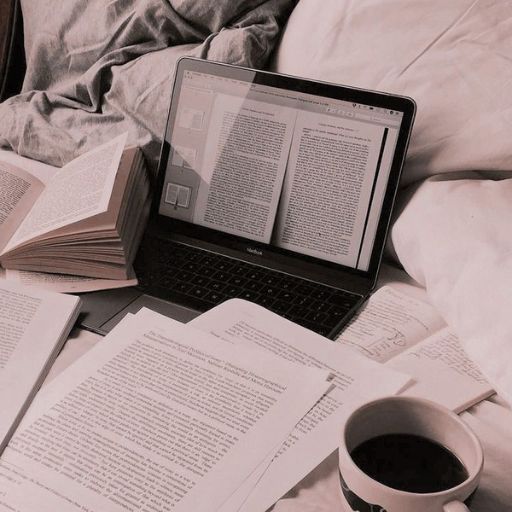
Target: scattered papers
(225, 414)
(156, 416)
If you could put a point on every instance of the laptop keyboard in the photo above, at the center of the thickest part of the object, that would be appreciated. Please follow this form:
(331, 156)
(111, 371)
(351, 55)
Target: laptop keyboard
(201, 280)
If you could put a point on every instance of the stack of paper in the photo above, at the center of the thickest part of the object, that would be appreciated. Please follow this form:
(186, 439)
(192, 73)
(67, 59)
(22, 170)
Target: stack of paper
(225, 414)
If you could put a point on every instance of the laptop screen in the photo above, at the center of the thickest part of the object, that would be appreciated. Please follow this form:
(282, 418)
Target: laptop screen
(278, 165)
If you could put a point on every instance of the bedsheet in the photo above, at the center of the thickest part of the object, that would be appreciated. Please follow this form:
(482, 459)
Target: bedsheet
(319, 491)
(96, 69)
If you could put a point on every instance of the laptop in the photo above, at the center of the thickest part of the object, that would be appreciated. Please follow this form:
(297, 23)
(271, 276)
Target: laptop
(271, 188)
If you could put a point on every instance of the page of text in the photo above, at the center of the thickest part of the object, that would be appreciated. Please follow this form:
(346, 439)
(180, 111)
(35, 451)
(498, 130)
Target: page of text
(244, 165)
(18, 193)
(158, 416)
(443, 372)
(327, 188)
(32, 324)
(409, 335)
(43, 172)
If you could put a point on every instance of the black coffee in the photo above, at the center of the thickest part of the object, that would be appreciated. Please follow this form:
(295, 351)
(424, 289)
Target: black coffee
(409, 463)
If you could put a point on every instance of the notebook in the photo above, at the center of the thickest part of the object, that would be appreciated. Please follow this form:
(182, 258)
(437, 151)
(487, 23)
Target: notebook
(271, 188)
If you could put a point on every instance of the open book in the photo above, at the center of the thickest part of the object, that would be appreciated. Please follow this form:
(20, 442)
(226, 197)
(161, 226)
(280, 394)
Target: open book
(34, 324)
(86, 220)
(408, 334)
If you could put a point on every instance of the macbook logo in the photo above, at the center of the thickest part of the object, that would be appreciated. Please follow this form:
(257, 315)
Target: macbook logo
(254, 251)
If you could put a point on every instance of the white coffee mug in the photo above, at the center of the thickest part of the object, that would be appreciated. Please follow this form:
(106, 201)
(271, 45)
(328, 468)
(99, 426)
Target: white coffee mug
(404, 415)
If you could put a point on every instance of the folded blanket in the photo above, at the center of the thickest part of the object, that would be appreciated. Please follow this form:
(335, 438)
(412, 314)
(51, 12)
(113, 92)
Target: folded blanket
(454, 237)
(96, 68)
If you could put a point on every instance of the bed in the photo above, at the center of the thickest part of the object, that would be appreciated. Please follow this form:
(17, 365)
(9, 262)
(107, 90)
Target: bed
(451, 232)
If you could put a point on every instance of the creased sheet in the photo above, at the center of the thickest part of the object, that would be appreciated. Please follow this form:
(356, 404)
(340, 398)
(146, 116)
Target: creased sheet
(100, 68)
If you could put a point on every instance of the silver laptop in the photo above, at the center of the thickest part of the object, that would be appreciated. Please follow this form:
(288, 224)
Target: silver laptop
(270, 188)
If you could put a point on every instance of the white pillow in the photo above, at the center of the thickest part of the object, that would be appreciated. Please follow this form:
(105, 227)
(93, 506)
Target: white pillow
(453, 237)
(453, 57)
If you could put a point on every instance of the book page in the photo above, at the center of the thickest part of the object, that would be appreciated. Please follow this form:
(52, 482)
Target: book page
(33, 326)
(243, 166)
(443, 372)
(43, 172)
(18, 193)
(81, 189)
(355, 379)
(67, 283)
(389, 323)
(335, 160)
(158, 416)
(409, 335)
(77, 231)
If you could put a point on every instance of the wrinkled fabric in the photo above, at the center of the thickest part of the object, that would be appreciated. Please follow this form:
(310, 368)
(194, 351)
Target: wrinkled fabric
(96, 69)
(454, 58)
(454, 238)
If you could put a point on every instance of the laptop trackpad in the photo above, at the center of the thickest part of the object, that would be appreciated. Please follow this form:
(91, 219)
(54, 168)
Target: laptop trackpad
(180, 313)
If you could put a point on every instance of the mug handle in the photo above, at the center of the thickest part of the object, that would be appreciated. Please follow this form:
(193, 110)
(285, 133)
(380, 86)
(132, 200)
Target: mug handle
(455, 506)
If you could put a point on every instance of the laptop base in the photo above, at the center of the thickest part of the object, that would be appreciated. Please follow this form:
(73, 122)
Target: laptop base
(103, 310)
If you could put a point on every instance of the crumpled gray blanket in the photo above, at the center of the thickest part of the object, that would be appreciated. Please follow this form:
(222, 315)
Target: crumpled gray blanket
(97, 68)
